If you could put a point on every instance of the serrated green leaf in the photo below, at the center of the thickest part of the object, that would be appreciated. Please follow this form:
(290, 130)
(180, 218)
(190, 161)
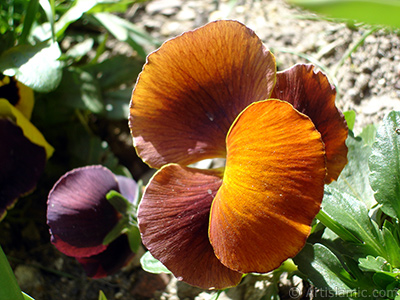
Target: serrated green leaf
(9, 288)
(325, 271)
(354, 178)
(35, 66)
(384, 164)
(374, 264)
(383, 12)
(350, 117)
(352, 215)
(152, 265)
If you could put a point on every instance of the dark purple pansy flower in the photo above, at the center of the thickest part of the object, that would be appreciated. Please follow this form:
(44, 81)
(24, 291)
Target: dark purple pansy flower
(80, 217)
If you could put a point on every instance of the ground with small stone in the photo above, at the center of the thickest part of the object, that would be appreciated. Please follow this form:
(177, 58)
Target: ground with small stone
(367, 82)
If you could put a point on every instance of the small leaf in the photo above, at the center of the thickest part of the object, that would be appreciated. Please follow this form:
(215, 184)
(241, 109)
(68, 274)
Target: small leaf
(374, 264)
(134, 238)
(35, 66)
(152, 265)
(384, 164)
(350, 117)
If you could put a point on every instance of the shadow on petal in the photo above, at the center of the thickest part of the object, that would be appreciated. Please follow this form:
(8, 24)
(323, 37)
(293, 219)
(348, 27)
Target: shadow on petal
(78, 213)
(22, 164)
(272, 188)
(18, 94)
(311, 93)
(173, 220)
(117, 255)
(192, 89)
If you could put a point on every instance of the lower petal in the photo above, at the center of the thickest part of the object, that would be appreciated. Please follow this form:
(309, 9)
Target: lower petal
(272, 188)
(173, 220)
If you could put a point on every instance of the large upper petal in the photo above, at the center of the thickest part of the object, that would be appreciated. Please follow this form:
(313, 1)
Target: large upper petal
(191, 90)
(272, 188)
(173, 220)
(311, 93)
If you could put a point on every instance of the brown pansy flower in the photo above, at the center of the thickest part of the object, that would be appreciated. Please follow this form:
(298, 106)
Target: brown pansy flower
(214, 93)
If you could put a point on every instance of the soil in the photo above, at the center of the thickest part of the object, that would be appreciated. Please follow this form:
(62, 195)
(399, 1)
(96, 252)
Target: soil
(367, 81)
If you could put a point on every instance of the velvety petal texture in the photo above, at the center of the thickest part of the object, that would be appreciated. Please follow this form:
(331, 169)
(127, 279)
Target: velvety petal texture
(78, 213)
(173, 220)
(116, 256)
(272, 188)
(22, 163)
(311, 93)
(192, 89)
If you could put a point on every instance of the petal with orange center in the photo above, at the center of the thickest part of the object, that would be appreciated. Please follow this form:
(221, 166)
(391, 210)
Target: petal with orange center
(311, 93)
(272, 188)
(191, 90)
(173, 220)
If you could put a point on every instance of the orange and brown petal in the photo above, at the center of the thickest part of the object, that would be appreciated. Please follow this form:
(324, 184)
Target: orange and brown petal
(311, 93)
(272, 188)
(191, 90)
(173, 220)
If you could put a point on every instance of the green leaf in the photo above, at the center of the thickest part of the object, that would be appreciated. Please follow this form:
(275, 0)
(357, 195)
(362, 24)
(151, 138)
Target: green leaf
(351, 214)
(27, 297)
(119, 202)
(152, 265)
(383, 12)
(368, 134)
(350, 117)
(134, 238)
(80, 89)
(125, 31)
(117, 104)
(374, 264)
(9, 288)
(74, 13)
(35, 66)
(30, 17)
(384, 164)
(115, 71)
(325, 271)
(102, 296)
(354, 178)
(391, 246)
